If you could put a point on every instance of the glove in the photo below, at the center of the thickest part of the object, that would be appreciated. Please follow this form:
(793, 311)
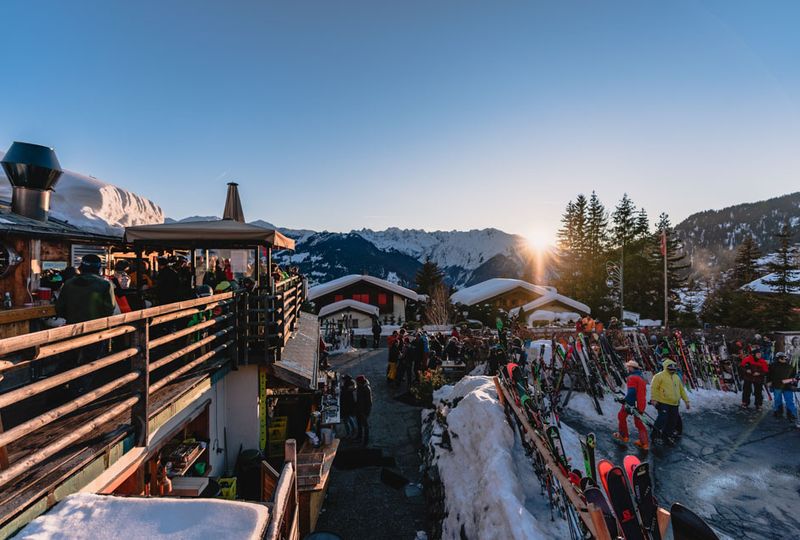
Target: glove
(688, 406)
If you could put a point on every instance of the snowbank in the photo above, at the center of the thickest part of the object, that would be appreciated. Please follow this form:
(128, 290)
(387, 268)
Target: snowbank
(94, 205)
(102, 516)
(489, 484)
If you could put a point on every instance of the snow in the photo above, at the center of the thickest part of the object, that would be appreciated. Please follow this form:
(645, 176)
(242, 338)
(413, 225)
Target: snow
(349, 304)
(760, 285)
(336, 284)
(88, 516)
(94, 205)
(493, 287)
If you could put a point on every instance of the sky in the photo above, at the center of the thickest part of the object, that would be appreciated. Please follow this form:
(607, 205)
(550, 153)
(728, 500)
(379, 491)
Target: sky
(436, 114)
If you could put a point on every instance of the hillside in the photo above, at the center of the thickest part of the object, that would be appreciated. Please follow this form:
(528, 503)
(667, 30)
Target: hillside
(711, 237)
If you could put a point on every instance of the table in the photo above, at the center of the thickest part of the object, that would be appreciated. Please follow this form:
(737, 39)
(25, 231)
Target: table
(312, 495)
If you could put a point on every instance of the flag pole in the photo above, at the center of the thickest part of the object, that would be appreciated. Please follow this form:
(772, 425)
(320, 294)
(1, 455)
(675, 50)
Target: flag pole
(666, 287)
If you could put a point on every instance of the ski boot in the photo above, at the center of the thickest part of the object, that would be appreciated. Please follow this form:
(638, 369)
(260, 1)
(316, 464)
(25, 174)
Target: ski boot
(778, 413)
(644, 447)
(790, 416)
(619, 439)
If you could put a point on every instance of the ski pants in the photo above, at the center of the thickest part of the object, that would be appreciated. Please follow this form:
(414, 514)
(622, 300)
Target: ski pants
(751, 387)
(787, 397)
(363, 429)
(667, 419)
(623, 425)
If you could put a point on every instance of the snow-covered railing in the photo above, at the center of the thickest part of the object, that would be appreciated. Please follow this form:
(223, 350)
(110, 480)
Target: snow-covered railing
(284, 521)
(146, 349)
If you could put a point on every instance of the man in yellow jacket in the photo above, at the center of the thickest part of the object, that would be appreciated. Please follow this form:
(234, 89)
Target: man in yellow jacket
(666, 393)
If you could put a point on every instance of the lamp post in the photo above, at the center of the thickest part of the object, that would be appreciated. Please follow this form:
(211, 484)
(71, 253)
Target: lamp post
(616, 278)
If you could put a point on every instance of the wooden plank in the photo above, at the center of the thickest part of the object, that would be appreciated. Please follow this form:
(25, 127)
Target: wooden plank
(27, 313)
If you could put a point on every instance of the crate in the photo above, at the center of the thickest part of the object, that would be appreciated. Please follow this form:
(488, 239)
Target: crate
(227, 488)
(275, 448)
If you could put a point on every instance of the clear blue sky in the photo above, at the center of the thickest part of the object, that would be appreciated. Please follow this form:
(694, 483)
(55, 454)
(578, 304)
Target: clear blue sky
(440, 114)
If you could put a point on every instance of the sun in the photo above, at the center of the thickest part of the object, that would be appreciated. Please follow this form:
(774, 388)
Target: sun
(539, 240)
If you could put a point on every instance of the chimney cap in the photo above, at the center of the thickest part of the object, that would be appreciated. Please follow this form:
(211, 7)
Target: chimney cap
(233, 205)
(31, 166)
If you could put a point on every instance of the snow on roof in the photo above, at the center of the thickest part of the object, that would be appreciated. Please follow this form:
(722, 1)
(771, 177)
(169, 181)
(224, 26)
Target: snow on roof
(759, 284)
(339, 283)
(493, 287)
(553, 297)
(86, 515)
(349, 304)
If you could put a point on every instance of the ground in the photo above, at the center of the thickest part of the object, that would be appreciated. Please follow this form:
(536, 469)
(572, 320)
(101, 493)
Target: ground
(737, 469)
(359, 504)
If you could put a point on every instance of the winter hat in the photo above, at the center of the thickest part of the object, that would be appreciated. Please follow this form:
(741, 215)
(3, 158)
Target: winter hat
(91, 263)
(780, 356)
(669, 364)
(361, 379)
(632, 364)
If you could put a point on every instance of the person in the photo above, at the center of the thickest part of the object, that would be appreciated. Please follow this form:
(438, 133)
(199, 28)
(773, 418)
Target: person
(754, 370)
(376, 333)
(636, 397)
(666, 393)
(394, 358)
(83, 298)
(363, 408)
(348, 406)
(167, 284)
(781, 376)
(406, 363)
(86, 296)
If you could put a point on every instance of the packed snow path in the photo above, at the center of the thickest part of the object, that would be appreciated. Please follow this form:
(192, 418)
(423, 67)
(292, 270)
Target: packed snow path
(359, 504)
(737, 469)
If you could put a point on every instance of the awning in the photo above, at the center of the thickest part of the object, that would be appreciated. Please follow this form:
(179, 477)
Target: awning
(221, 233)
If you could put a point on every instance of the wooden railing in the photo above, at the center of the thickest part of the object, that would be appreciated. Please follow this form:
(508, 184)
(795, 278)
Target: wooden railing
(149, 348)
(272, 317)
(284, 521)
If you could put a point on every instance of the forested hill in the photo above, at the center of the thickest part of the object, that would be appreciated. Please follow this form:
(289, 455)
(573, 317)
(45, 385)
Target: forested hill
(711, 237)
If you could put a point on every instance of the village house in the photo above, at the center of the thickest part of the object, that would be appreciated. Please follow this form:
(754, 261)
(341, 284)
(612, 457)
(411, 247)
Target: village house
(390, 299)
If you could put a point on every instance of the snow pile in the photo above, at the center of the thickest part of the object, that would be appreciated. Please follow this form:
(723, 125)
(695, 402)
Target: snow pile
(87, 516)
(489, 484)
(94, 205)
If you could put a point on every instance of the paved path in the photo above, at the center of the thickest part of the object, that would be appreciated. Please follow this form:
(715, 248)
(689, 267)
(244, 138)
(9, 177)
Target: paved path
(740, 470)
(359, 505)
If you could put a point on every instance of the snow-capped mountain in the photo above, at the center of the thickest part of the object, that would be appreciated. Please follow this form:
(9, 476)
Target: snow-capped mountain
(94, 205)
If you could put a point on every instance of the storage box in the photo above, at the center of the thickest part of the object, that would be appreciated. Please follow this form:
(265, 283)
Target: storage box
(227, 488)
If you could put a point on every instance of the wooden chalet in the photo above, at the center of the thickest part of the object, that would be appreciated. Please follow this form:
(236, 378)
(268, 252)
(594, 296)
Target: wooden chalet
(390, 298)
(202, 398)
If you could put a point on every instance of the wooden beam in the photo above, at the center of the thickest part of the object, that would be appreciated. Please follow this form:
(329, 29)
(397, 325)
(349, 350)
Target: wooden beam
(188, 367)
(164, 360)
(186, 331)
(26, 314)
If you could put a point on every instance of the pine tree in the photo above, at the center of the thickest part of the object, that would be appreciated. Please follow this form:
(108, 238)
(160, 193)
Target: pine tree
(745, 267)
(428, 277)
(568, 256)
(784, 281)
(677, 266)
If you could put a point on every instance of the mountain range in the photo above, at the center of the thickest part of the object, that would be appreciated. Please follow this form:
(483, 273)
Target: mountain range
(467, 257)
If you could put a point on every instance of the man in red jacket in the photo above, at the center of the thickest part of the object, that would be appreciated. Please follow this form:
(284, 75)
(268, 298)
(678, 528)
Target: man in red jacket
(636, 398)
(754, 371)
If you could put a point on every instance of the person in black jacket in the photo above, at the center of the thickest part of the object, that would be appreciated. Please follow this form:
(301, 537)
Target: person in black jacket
(363, 408)
(782, 377)
(347, 406)
(376, 333)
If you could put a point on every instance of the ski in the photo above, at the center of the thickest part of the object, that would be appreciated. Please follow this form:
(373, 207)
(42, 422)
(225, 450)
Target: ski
(557, 446)
(686, 525)
(588, 445)
(642, 485)
(593, 495)
(616, 486)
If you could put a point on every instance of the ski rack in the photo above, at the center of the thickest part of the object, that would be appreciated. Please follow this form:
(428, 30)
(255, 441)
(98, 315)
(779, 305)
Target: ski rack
(589, 514)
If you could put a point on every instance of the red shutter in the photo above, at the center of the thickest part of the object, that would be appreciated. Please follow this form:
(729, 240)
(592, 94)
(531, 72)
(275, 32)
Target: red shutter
(382, 300)
(338, 298)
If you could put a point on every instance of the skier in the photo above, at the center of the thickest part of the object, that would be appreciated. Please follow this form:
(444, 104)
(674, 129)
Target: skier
(754, 370)
(363, 408)
(635, 397)
(782, 378)
(666, 393)
(347, 406)
(376, 333)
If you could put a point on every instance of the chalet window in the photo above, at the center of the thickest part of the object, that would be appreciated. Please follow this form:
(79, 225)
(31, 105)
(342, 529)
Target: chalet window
(361, 298)
(382, 300)
(338, 298)
(354, 323)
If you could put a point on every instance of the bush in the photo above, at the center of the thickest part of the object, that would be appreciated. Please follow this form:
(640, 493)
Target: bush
(430, 380)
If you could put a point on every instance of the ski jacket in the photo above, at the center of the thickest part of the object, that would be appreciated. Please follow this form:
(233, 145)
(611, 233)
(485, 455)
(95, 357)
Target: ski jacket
(754, 369)
(347, 404)
(637, 391)
(85, 297)
(363, 398)
(668, 388)
(779, 372)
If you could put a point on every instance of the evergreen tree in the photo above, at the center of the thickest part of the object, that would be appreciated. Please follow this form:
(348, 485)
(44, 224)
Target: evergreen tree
(745, 267)
(677, 265)
(784, 281)
(429, 277)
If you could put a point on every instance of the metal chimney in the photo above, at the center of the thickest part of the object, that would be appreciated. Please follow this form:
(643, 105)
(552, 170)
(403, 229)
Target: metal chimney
(233, 205)
(33, 170)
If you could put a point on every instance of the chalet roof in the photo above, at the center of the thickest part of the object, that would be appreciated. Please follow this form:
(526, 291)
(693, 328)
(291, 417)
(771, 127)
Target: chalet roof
(494, 287)
(11, 223)
(760, 286)
(349, 304)
(342, 282)
(207, 233)
(300, 359)
(553, 297)
(86, 515)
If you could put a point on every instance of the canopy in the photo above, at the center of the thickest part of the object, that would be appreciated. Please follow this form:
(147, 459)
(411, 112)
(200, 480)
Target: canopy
(222, 233)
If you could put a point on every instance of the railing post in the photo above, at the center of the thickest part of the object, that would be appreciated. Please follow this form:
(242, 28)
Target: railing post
(237, 328)
(141, 362)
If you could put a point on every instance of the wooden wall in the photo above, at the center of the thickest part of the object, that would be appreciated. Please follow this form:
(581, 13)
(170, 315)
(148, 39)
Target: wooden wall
(16, 281)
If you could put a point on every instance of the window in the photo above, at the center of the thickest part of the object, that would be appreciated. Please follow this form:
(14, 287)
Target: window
(354, 323)
(338, 298)
(361, 298)
(382, 300)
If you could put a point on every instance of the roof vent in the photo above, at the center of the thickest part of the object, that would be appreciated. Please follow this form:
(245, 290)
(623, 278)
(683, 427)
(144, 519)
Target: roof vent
(233, 205)
(33, 171)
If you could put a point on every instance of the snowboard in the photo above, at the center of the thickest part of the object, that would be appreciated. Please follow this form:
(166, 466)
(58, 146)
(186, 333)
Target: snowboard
(594, 496)
(686, 525)
(616, 486)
